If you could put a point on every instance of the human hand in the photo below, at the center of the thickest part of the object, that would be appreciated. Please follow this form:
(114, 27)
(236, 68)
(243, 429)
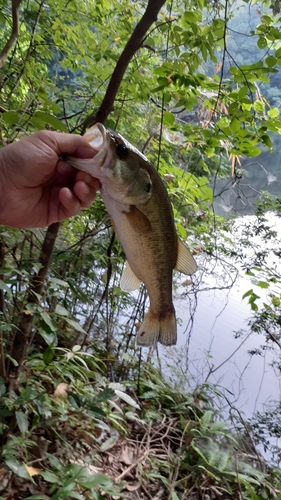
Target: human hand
(37, 187)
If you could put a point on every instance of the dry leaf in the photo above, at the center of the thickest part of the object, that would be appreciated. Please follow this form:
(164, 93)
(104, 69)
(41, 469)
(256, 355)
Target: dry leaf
(127, 456)
(32, 471)
(61, 391)
(186, 283)
(132, 486)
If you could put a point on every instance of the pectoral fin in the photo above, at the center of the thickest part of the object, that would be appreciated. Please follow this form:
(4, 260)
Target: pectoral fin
(129, 280)
(185, 262)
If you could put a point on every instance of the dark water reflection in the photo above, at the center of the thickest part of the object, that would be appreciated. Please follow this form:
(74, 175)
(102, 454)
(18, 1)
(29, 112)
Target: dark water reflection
(208, 348)
(238, 195)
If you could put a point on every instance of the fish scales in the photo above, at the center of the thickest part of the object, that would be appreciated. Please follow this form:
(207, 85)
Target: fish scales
(142, 231)
(138, 204)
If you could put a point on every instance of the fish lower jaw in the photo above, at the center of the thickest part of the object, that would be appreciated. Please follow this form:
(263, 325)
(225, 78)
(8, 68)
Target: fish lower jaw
(158, 328)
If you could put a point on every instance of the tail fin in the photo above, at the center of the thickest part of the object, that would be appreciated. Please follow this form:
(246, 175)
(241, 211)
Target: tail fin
(154, 330)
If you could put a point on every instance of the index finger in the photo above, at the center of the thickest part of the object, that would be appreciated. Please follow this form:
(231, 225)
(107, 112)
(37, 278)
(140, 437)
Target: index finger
(71, 144)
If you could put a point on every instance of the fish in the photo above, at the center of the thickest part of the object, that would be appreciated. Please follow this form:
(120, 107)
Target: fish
(140, 209)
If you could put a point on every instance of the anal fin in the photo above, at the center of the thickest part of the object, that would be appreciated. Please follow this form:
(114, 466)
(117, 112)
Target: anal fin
(129, 281)
(185, 261)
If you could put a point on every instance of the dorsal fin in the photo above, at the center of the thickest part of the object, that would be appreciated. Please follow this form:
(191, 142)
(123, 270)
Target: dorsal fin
(185, 262)
(129, 280)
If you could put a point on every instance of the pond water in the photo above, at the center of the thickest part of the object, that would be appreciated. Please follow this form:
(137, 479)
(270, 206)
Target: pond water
(208, 348)
(214, 354)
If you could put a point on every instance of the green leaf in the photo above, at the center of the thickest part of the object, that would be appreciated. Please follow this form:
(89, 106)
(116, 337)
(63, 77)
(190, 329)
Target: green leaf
(273, 112)
(259, 106)
(50, 338)
(223, 122)
(270, 61)
(49, 476)
(251, 151)
(74, 494)
(262, 284)
(22, 421)
(57, 282)
(48, 355)
(26, 395)
(234, 124)
(262, 43)
(275, 301)
(75, 325)
(51, 120)
(243, 92)
(100, 480)
(247, 294)
(38, 124)
(46, 318)
(169, 118)
(3, 286)
(190, 17)
(18, 468)
(267, 141)
(130, 401)
(74, 399)
(104, 395)
(11, 117)
(55, 463)
(61, 311)
(98, 412)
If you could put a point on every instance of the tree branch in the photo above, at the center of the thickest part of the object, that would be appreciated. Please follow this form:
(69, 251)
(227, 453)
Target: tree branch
(15, 32)
(133, 45)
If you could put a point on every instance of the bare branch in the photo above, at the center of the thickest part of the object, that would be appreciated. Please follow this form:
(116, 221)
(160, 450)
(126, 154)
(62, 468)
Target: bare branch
(133, 45)
(15, 32)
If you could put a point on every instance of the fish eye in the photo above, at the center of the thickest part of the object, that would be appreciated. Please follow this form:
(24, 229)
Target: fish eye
(148, 187)
(122, 151)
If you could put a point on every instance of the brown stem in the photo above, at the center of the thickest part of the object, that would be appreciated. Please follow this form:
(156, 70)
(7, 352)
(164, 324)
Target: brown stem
(133, 45)
(15, 32)
(23, 333)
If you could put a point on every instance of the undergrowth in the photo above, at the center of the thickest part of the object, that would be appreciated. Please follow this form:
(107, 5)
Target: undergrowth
(68, 432)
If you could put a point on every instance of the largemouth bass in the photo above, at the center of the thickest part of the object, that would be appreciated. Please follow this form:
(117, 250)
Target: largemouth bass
(138, 204)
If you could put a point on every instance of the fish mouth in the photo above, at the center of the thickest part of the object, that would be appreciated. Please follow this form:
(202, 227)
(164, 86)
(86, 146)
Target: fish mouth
(98, 138)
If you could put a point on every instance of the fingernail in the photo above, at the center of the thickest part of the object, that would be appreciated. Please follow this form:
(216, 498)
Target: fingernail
(86, 190)
(68, 194)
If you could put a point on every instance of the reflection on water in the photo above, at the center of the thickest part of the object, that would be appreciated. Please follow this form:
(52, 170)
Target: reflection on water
(215, 354)
(238, 195)
(209, 348)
